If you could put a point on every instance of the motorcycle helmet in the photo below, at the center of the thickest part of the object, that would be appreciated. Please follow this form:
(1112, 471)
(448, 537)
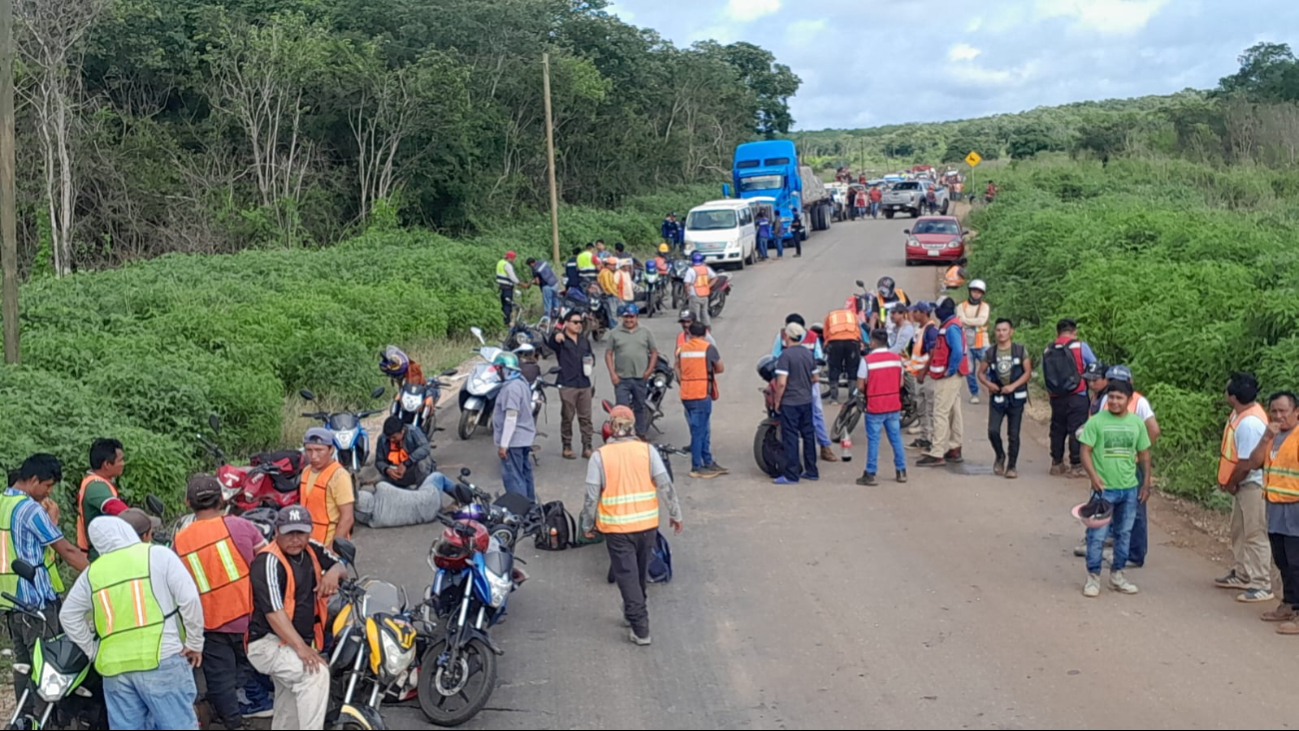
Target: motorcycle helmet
(525, 350)
(651, 267)
(979, 285)
(393, 362)
(1095, 513)
(696, 258)
(628, 309)
(452, 551)
(471, 511)
(767, 368)
(664, 248)
(507, 361)
(886, 286)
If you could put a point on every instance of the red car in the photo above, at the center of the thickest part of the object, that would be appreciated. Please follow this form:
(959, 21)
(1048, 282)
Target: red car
(935, 238)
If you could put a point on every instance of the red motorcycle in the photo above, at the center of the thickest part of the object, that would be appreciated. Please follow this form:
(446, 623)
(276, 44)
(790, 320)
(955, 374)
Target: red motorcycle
(270, 480)
(717, 295)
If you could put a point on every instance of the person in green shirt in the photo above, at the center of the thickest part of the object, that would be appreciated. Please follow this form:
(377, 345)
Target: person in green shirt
(98, 495)
(1113, 441)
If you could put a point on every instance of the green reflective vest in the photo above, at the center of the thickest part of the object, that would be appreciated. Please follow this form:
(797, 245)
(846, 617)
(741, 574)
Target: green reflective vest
(9, 551)
(586, 262)
(503, 275)
(128, 619)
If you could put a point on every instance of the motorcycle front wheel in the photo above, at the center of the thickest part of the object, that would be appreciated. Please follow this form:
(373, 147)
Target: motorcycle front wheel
(715, 308)
(848, 419)
(468, 424)
(767, 448)
(450, 696)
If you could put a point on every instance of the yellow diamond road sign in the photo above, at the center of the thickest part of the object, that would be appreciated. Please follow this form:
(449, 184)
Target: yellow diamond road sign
(973, 158)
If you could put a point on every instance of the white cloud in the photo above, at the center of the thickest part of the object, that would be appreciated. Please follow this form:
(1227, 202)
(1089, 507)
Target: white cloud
(982, 77)
(975, 24)
(962, 52)
(806, 31)
(1103, 16)
(745, 11)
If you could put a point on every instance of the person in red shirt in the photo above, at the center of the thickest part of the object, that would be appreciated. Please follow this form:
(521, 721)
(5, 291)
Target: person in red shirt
(876, 195)
(880, 378)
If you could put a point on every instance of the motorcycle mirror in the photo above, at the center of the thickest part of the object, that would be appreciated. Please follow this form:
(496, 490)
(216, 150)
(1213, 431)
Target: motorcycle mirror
(906, 231)
(377, 392)
(155, 505)
(478, 333)
(214, 421)
(965, 233)
(25, 570)
(554, 371)
(862, 284)
(345, 549)
(449, 372)
(307, 394)
(464, 472)
(608, 407)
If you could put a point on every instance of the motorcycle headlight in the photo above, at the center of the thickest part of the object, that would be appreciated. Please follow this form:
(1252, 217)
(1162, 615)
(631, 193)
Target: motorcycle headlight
(523, 338)
(345, 438)
(411, 401)
(660, 382)
(53, 685)
(501, 586)
(395, 657)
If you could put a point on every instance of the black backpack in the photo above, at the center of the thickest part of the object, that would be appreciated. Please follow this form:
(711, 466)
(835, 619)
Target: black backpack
(558, 529)
(1060, 369)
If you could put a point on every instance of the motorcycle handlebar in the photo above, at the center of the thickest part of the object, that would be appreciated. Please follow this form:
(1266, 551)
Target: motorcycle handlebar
(20, 605)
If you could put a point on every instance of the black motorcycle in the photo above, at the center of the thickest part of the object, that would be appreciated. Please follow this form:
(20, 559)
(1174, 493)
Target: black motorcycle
(768, 449)
(850, 413)
(658, 385)
(416, 403)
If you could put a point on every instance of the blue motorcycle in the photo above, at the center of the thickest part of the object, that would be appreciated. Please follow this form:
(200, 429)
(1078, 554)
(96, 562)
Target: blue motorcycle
(351, 441)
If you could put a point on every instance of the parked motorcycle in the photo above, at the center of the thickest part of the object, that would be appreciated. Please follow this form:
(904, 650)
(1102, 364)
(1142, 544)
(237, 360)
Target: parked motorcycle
(270, 480)
(717, 295)
(600, 315)
(523, 333)
(473, 578)
(678, 276)
(768, 450)
(478, 397)
(62, 676)
(665, 450)
(507, 518)
(416, 403)
(351, 440)
(654, 283)
(655, 389)
(851, 411)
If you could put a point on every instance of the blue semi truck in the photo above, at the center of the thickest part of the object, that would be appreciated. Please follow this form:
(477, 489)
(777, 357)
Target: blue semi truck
(770, 169)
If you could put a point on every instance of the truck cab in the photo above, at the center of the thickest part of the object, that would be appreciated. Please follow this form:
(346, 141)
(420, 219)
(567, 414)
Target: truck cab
(770, 169)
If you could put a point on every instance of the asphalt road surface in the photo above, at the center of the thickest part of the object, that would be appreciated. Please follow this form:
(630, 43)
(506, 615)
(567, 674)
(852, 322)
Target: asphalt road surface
(953, 601)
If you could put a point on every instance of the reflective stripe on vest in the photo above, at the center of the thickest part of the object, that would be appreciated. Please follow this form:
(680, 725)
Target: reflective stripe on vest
(219, 571)
(9, 552)
(1227, 457)
(841, 325)
(291, 593)
(82, 541)
(695, 378)
(942, 352)
(128, 619)
(702, 286)
(883, 382)
(980, 333)
(503, 275)
(629, 502)
(1281, 473)
(918, 363)
(312, 494)
(953, 278)
(586, 262)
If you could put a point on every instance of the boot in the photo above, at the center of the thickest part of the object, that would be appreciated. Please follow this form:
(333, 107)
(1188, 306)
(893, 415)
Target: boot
(828, 455)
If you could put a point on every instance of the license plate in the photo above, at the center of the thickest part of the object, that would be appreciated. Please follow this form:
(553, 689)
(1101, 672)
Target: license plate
(933, 252)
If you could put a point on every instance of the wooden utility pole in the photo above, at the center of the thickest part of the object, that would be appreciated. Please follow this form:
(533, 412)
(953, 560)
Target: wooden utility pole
(8, 224)
(550, 160)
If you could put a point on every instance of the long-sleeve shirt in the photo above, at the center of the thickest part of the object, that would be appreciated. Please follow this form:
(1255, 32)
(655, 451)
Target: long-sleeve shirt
(595, 486)
(900, 339)
(956, 343)
(173, 588)
(973, 316)
(415, 444)
(608, 282)
(779, 347)
(509, 272)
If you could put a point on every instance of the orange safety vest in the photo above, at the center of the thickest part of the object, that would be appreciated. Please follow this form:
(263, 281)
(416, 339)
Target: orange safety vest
(702, 287)
(696, 378)
(918, 363)
(291, 593)
(83, 542)
(953, 278)
(396, 456)
(219, 571)
(981, 332)
(312, 496)
(629, 502)
(1281, 473)
(1227, 457)
(841, 325)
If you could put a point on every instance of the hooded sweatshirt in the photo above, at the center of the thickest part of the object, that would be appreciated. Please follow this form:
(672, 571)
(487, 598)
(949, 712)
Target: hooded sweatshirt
(172, 587)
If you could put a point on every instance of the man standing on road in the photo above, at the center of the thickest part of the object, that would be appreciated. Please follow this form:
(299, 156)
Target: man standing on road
(947, 365)
(926, 339)
(1062, 367)
(1114, 442)
(326, 488)
(622, 503)
(685, 320)
(763, 228)
(974, 314)
(698, 364)
(1005, 371)
(1250, 550)
(98, 494)
(514, 429)
(876, 195)
(543, 276)
(796, 379)
(887, 296)
(671, 230)
(576, 364)
(587, 266)
(812, 343)
(608, 280)
(507, 280)
(843, 347)
(879, 379)
(631, 359)
(1279, 458)
(573, 272)
(623, 279)
(699, 281)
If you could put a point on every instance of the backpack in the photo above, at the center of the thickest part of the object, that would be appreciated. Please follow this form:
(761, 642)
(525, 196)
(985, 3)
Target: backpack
(660, 568)
(1060, 369)
(557, 528)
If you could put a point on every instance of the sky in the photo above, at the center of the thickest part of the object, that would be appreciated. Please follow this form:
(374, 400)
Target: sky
(870, 62)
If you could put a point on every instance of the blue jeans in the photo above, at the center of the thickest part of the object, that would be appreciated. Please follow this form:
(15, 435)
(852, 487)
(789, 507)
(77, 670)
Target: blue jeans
(795, 427)
(892, 424)
(550, 300)
(818, 417)
(1125, 514)
(875, 209)
(440, 481)
(763, 243)
(516, 472)
(779, 241)
(977, 354)
(699, 413)
(1140, 539)
(162, 698)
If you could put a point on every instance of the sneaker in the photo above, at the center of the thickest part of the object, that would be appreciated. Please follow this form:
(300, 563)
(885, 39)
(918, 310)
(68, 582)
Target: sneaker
(1283, 613)
(568, 453)
(586, 452)
(1252, 596)
(1120, 583)
(1288, 628)
(703, 473)
(913, 429)
(810, 477)
(918, 444)
(1231, 581)
(782, 480)
(1092, 588)
(714, 467)
(1080, 550)
(999, 467)
(867, 479)
(639, 641)
(1057, 468)
(954, 455)
(1011, 474)
(930, 461)
(902, 475)
(974, 399)
(828, 455)
(264, 709)
(1077, 472)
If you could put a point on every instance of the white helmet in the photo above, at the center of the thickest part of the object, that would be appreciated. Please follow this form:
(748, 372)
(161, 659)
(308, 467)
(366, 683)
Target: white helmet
(979, 285)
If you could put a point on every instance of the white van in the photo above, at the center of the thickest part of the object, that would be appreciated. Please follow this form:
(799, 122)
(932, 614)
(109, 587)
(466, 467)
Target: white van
(723, 231)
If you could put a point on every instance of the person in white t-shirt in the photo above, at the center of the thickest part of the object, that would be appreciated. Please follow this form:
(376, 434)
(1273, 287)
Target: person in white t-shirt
(1250, 549)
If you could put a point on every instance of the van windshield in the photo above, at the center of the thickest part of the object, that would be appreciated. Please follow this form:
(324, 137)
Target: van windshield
(710, 220)
(762, 182)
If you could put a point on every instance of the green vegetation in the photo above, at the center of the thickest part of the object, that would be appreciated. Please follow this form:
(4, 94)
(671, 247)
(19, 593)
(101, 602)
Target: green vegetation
(145, 352)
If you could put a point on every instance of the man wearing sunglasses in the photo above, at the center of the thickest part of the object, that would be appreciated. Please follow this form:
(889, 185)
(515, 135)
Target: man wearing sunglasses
(576, 365)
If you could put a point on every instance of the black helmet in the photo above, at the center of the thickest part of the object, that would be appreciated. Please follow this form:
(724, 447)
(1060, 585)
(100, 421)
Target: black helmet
(767, 368)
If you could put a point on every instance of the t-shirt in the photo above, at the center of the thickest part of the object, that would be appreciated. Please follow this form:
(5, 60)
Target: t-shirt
(515, 395)
(246, 538)
(569, 354)
(1143, 410)
(270, 582)
(798, 366)
(31, 531)
(1249, 432)
(337, 492)
(92, 506)
(626, 289)
(1115, 442)
(631, 351)
(1004, 361)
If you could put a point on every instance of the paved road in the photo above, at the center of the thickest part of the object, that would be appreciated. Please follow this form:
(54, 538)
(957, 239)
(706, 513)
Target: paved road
(952, 601)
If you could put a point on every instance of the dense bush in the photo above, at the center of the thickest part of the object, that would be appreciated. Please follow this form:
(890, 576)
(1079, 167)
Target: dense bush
(1181, 271)
(146, 352)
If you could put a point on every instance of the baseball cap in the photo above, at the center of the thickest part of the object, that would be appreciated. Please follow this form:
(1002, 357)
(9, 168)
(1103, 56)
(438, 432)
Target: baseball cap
(628, 309)
(686, 316)
(795, 331)
(1094, 371)
(1119, 372)
(510, 255)
(201, 486)
(140, 521)
(318, 435)
(924, 307)
(293, 519)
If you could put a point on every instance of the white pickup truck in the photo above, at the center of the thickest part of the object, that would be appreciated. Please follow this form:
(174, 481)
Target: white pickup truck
(910, 196)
